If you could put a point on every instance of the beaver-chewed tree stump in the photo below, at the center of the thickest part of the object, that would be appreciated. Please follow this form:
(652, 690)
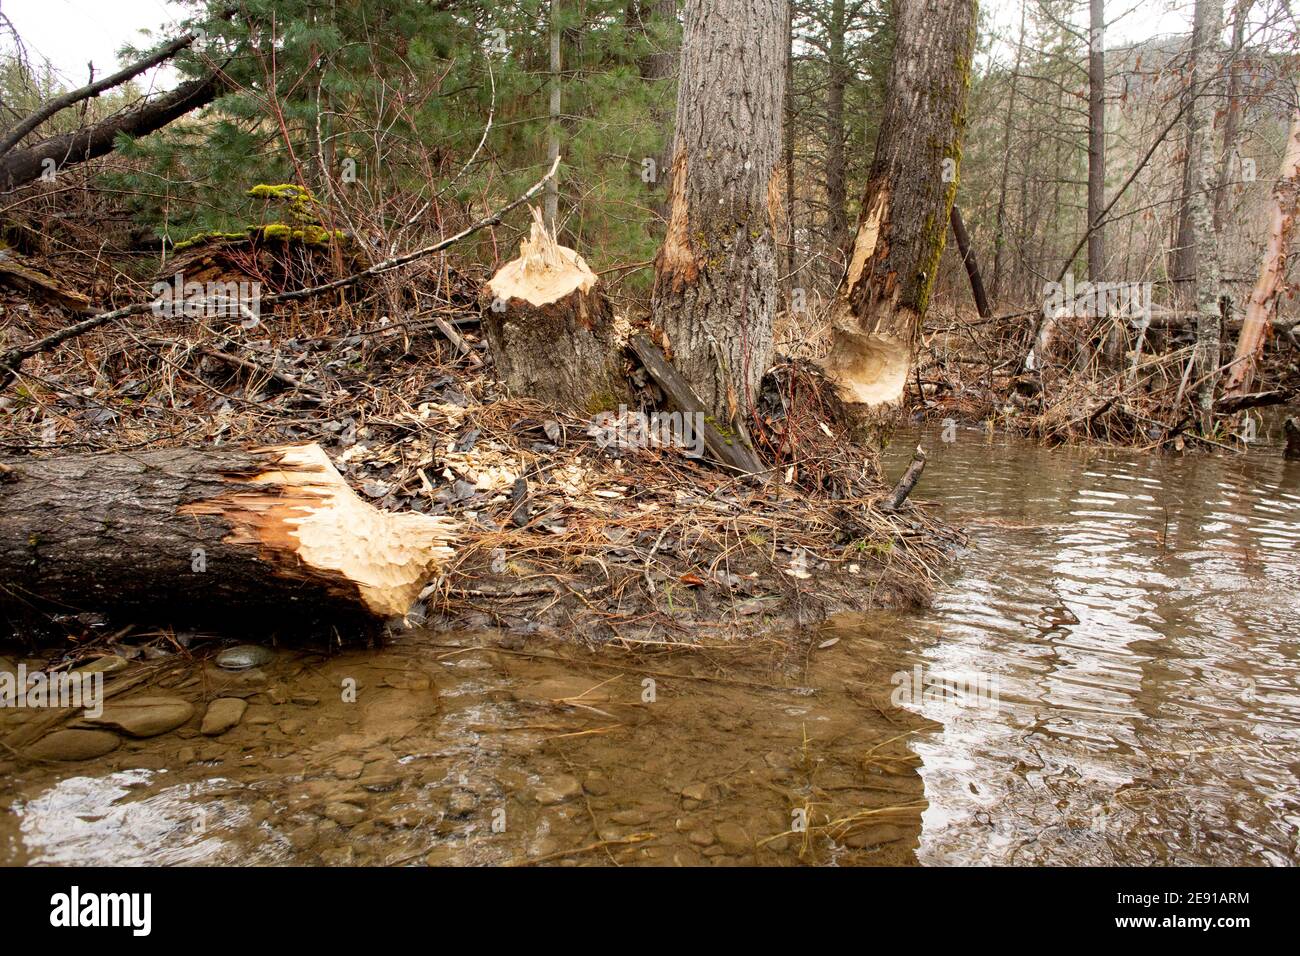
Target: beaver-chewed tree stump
(271, 538)
(551, 329)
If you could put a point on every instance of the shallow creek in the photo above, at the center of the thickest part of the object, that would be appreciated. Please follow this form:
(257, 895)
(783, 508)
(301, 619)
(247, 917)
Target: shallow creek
(1110, 674)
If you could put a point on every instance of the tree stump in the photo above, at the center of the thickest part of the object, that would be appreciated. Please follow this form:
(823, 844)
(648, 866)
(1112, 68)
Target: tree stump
(551, 329)
(269, 538)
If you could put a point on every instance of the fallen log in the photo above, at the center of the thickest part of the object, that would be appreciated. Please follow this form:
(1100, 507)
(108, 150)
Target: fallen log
(270, 538)
(551, 329)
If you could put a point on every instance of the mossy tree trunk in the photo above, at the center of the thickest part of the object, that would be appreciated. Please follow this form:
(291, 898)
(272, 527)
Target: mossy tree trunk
(906, 207)
(715, 291)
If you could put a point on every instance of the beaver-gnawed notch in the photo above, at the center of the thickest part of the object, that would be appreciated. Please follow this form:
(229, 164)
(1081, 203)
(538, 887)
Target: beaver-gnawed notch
(270, 538)
(551, 329)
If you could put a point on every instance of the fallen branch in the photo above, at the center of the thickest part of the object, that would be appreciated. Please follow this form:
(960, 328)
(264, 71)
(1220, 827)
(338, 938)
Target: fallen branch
(908, 481)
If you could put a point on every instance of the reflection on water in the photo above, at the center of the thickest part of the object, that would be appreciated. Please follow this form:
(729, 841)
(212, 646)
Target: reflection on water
(1139, 616)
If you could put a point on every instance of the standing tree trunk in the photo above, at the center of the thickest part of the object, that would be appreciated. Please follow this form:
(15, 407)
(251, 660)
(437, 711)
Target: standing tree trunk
(715, 276)
(836, 83)
(1272, 270)
(1096, 138)
(1233, 117)
(999, 229)
(1186, 247)
(904, 219)
(1205, 254)
(552, 196)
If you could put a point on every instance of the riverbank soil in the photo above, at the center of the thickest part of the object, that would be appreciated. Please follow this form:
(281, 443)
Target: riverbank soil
(574, 527)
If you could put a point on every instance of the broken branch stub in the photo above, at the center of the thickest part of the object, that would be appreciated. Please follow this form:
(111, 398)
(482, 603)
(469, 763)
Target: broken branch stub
(551, 329)
(270, 538)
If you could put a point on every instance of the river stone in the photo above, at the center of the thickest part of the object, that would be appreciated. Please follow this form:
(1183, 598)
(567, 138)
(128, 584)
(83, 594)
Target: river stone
(74, 745)
(344, 814)
(243, 656)
(563, 787)
(145, 716)
(875, 835)
(223, 713)
(733, 837)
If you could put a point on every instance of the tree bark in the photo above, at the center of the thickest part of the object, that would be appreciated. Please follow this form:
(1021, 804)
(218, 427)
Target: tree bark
(1272, 271)
(1205, 254)
(267, 538)
(552, 196)
(551, 329)
(904, 219)
(999, 228)
(1096, 138)
(23, 166)
(715, 292)
(837, 82)
(1232, 119)
(968, 260)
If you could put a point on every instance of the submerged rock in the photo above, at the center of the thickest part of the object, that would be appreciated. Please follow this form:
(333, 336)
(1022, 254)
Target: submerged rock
(145, 716)
(74, 745)
(223, 714)
(243, 656)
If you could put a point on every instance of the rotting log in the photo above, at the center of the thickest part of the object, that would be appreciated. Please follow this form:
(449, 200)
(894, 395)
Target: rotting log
(550, 328)
(270, 538)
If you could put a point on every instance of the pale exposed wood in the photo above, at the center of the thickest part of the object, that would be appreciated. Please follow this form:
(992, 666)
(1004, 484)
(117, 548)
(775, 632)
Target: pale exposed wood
(269, 537)
(1272, 270)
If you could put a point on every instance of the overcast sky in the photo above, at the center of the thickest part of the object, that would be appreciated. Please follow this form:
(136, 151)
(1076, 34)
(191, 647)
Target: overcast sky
(72, 33)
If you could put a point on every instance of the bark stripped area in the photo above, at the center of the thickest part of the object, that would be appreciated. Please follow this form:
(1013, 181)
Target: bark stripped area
(1272, 271)
(551, 329)
(272, 537)
(907, 203)
(715, 275)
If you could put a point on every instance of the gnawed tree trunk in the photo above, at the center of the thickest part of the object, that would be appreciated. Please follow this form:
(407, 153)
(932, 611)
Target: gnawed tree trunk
(904, 219)
(551, 329)
(267, 538)
(22, 166)
(972, 266)
(715, 276)
(1272, 271)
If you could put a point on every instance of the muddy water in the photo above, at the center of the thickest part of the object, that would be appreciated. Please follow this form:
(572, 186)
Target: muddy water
(1109, 676)
(1139, 618)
